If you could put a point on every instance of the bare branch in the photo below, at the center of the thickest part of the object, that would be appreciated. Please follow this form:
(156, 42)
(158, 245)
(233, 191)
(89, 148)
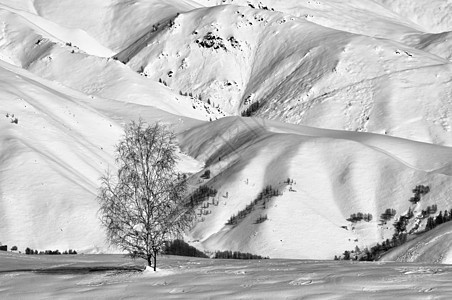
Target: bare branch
(142, 206)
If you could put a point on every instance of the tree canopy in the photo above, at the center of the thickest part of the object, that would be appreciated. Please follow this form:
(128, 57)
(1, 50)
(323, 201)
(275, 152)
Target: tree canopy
(142, 205)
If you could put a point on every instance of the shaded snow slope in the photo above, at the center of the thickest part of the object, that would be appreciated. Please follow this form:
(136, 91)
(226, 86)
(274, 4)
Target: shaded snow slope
(439, 44)
(434, 246)
(300, 72)
(363, 173)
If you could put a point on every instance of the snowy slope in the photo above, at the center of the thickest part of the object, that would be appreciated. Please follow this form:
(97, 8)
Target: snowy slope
(115, 24)
(377, 72)
(116, 277)
(52, 159)
(435, 246)
(439, 44)
(356, 16)
(434, 16)
(27, 45)
(49, 30)
(364, 173)
(300, 72)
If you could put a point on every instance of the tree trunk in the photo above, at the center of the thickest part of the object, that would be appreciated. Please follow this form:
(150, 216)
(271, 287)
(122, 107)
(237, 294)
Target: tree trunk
(155, 261)
(149, 260)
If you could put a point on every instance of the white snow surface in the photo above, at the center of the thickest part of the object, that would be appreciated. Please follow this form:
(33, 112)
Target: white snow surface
(303, 73)
(114, 277)
(354, 106)
(364, 173)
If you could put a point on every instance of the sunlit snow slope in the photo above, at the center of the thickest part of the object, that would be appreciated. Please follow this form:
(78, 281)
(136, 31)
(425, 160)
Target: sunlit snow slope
(335, 174)
(51, 160)
(300, 72)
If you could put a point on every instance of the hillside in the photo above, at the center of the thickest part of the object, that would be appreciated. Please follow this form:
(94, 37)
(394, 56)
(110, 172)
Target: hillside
(30, 46)
(108, 22)
(296, 71)
(431, 247)
(51, 160)
(350, 101)
(364, 173)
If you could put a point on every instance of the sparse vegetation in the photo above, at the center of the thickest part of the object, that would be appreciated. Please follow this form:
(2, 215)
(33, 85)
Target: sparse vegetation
(251, 109)
(267, 193)
(438, 220)
(387, 215)
(429, 210)
(206, 174)
(211, 41)
(181, 248)
(400, 235)
(12, 118)
(419, 190)
(354, 218)
(200, 195)
(237, 255)
(261, 219)
(234, 43)
(30, 251)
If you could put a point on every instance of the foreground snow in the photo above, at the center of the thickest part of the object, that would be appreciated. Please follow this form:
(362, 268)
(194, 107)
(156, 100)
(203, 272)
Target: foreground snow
(107, 277)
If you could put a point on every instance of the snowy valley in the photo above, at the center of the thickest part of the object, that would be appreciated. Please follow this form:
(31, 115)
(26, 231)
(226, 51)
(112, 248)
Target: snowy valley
(299, 115)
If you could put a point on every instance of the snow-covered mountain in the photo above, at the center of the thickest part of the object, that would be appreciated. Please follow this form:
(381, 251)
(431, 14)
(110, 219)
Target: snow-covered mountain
(350, 100)
(299, 72)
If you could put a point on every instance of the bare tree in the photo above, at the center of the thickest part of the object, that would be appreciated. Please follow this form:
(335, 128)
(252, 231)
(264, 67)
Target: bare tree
(142, 206)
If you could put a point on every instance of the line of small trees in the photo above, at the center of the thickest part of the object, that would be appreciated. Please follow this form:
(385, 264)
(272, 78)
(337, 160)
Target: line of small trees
(439, 219)
(267, 193)
(30, 251)
(430, 210)
(419, 190)
(236, 255)
(201, 194)
(181, 248)
(354, 218)
(387, 215)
